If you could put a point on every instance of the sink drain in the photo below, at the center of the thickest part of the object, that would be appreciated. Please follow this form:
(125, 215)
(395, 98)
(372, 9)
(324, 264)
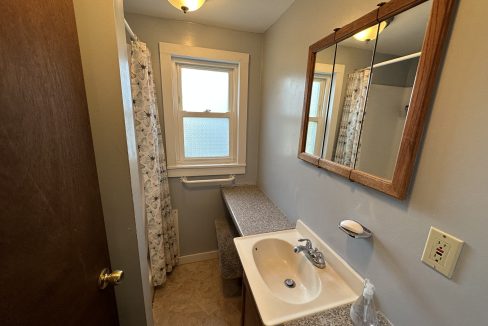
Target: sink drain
(289, 283)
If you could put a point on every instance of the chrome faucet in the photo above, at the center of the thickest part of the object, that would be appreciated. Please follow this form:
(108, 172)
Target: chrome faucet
(313, 254)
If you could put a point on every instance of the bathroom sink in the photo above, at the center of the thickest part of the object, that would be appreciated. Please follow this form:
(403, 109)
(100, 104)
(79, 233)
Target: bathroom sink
(286, 285)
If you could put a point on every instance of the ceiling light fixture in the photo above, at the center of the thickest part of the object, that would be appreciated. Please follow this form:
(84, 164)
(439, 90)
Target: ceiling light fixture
(187, 5)
(372, 32)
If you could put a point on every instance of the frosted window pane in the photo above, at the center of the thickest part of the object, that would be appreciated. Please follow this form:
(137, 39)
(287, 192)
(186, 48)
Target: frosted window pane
(203, 90)
(314, 99)
(311, 136)
(206, 137)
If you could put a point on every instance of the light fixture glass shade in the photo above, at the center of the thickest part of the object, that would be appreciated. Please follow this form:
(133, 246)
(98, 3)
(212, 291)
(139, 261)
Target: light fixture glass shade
(370, 33)
(187, 5)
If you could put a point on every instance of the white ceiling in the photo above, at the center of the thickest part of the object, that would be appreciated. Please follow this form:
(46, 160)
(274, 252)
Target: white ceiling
(243, 15)
(404, 35)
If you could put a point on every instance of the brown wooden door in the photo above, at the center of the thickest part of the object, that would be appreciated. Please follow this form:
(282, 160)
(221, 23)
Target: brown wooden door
(52, 236)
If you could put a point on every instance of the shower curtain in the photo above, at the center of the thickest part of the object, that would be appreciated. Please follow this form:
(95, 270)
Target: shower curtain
(160, 218)
(348, 141)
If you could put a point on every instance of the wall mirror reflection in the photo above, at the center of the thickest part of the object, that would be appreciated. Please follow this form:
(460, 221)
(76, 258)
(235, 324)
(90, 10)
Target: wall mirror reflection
(344, 118)
(398, 50)
(368, 86)
(321, 91)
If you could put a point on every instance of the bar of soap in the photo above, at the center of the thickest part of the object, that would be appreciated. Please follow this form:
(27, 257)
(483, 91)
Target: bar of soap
(352, 226)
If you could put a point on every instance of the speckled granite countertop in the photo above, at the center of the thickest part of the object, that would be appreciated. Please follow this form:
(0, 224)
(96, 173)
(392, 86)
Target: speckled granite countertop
(338, 316)
(252, 212)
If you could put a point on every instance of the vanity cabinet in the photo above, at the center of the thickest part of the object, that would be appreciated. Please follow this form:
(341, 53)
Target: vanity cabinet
(250, 313)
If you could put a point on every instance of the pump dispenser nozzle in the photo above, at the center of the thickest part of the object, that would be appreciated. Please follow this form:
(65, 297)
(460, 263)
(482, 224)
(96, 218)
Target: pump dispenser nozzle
(363, 312)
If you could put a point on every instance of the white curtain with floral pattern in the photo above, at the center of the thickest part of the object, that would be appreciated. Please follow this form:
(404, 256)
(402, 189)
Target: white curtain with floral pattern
(160, 218)
(348, 141)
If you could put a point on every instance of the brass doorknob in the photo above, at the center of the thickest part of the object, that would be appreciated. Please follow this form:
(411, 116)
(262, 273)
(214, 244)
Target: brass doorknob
(106, 277)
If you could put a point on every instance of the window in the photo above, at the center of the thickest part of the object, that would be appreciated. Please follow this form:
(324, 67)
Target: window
(205, 110)
(316, 118)
(324, 110)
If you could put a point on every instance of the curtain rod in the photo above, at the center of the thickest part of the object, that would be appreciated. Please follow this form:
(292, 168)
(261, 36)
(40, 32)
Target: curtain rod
(399, 59)
(129, 30)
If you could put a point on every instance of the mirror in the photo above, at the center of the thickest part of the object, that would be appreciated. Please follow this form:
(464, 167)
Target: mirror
(367, 91)
(344, 118)
(319, 100)
(395, 65)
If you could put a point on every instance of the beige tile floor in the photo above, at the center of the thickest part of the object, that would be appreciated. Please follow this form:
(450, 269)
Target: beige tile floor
(193, 295)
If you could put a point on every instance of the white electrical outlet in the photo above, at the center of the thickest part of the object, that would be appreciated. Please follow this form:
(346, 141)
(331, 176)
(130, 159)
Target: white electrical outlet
(442, 251)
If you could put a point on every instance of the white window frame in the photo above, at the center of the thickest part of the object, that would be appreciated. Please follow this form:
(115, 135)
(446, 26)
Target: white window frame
(325, 80)
(172, 58)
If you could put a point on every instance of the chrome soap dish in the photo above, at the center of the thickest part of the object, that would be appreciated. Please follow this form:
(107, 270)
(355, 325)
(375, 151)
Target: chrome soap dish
(355, 229)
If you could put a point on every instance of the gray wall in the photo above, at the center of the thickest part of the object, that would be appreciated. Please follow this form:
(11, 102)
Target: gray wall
(449, 188)
(199, 206)
(401, 74)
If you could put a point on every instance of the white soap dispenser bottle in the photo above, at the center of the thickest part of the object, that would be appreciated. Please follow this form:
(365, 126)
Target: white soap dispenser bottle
(363, 311)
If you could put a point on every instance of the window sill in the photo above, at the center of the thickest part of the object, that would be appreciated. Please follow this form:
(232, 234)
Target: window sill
(204, 170)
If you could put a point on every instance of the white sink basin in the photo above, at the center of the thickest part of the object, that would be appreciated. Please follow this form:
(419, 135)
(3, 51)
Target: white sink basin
(275, 261)
(268, 260)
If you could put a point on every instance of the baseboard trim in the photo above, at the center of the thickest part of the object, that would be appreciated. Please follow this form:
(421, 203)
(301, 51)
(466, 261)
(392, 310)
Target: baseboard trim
(198, 257)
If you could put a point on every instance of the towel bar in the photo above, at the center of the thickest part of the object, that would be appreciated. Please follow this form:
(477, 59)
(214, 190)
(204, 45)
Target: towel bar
(185, 180)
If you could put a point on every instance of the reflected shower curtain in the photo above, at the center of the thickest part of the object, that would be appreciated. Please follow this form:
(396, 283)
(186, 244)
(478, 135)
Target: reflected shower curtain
(347, 147)
(160, 218)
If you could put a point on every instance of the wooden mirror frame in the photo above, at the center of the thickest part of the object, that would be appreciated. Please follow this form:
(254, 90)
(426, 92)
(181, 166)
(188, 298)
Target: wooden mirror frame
(425, 79)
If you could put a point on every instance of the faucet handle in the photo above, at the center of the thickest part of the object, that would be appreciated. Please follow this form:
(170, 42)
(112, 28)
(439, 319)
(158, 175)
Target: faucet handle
(308, 243)
(317, 254)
